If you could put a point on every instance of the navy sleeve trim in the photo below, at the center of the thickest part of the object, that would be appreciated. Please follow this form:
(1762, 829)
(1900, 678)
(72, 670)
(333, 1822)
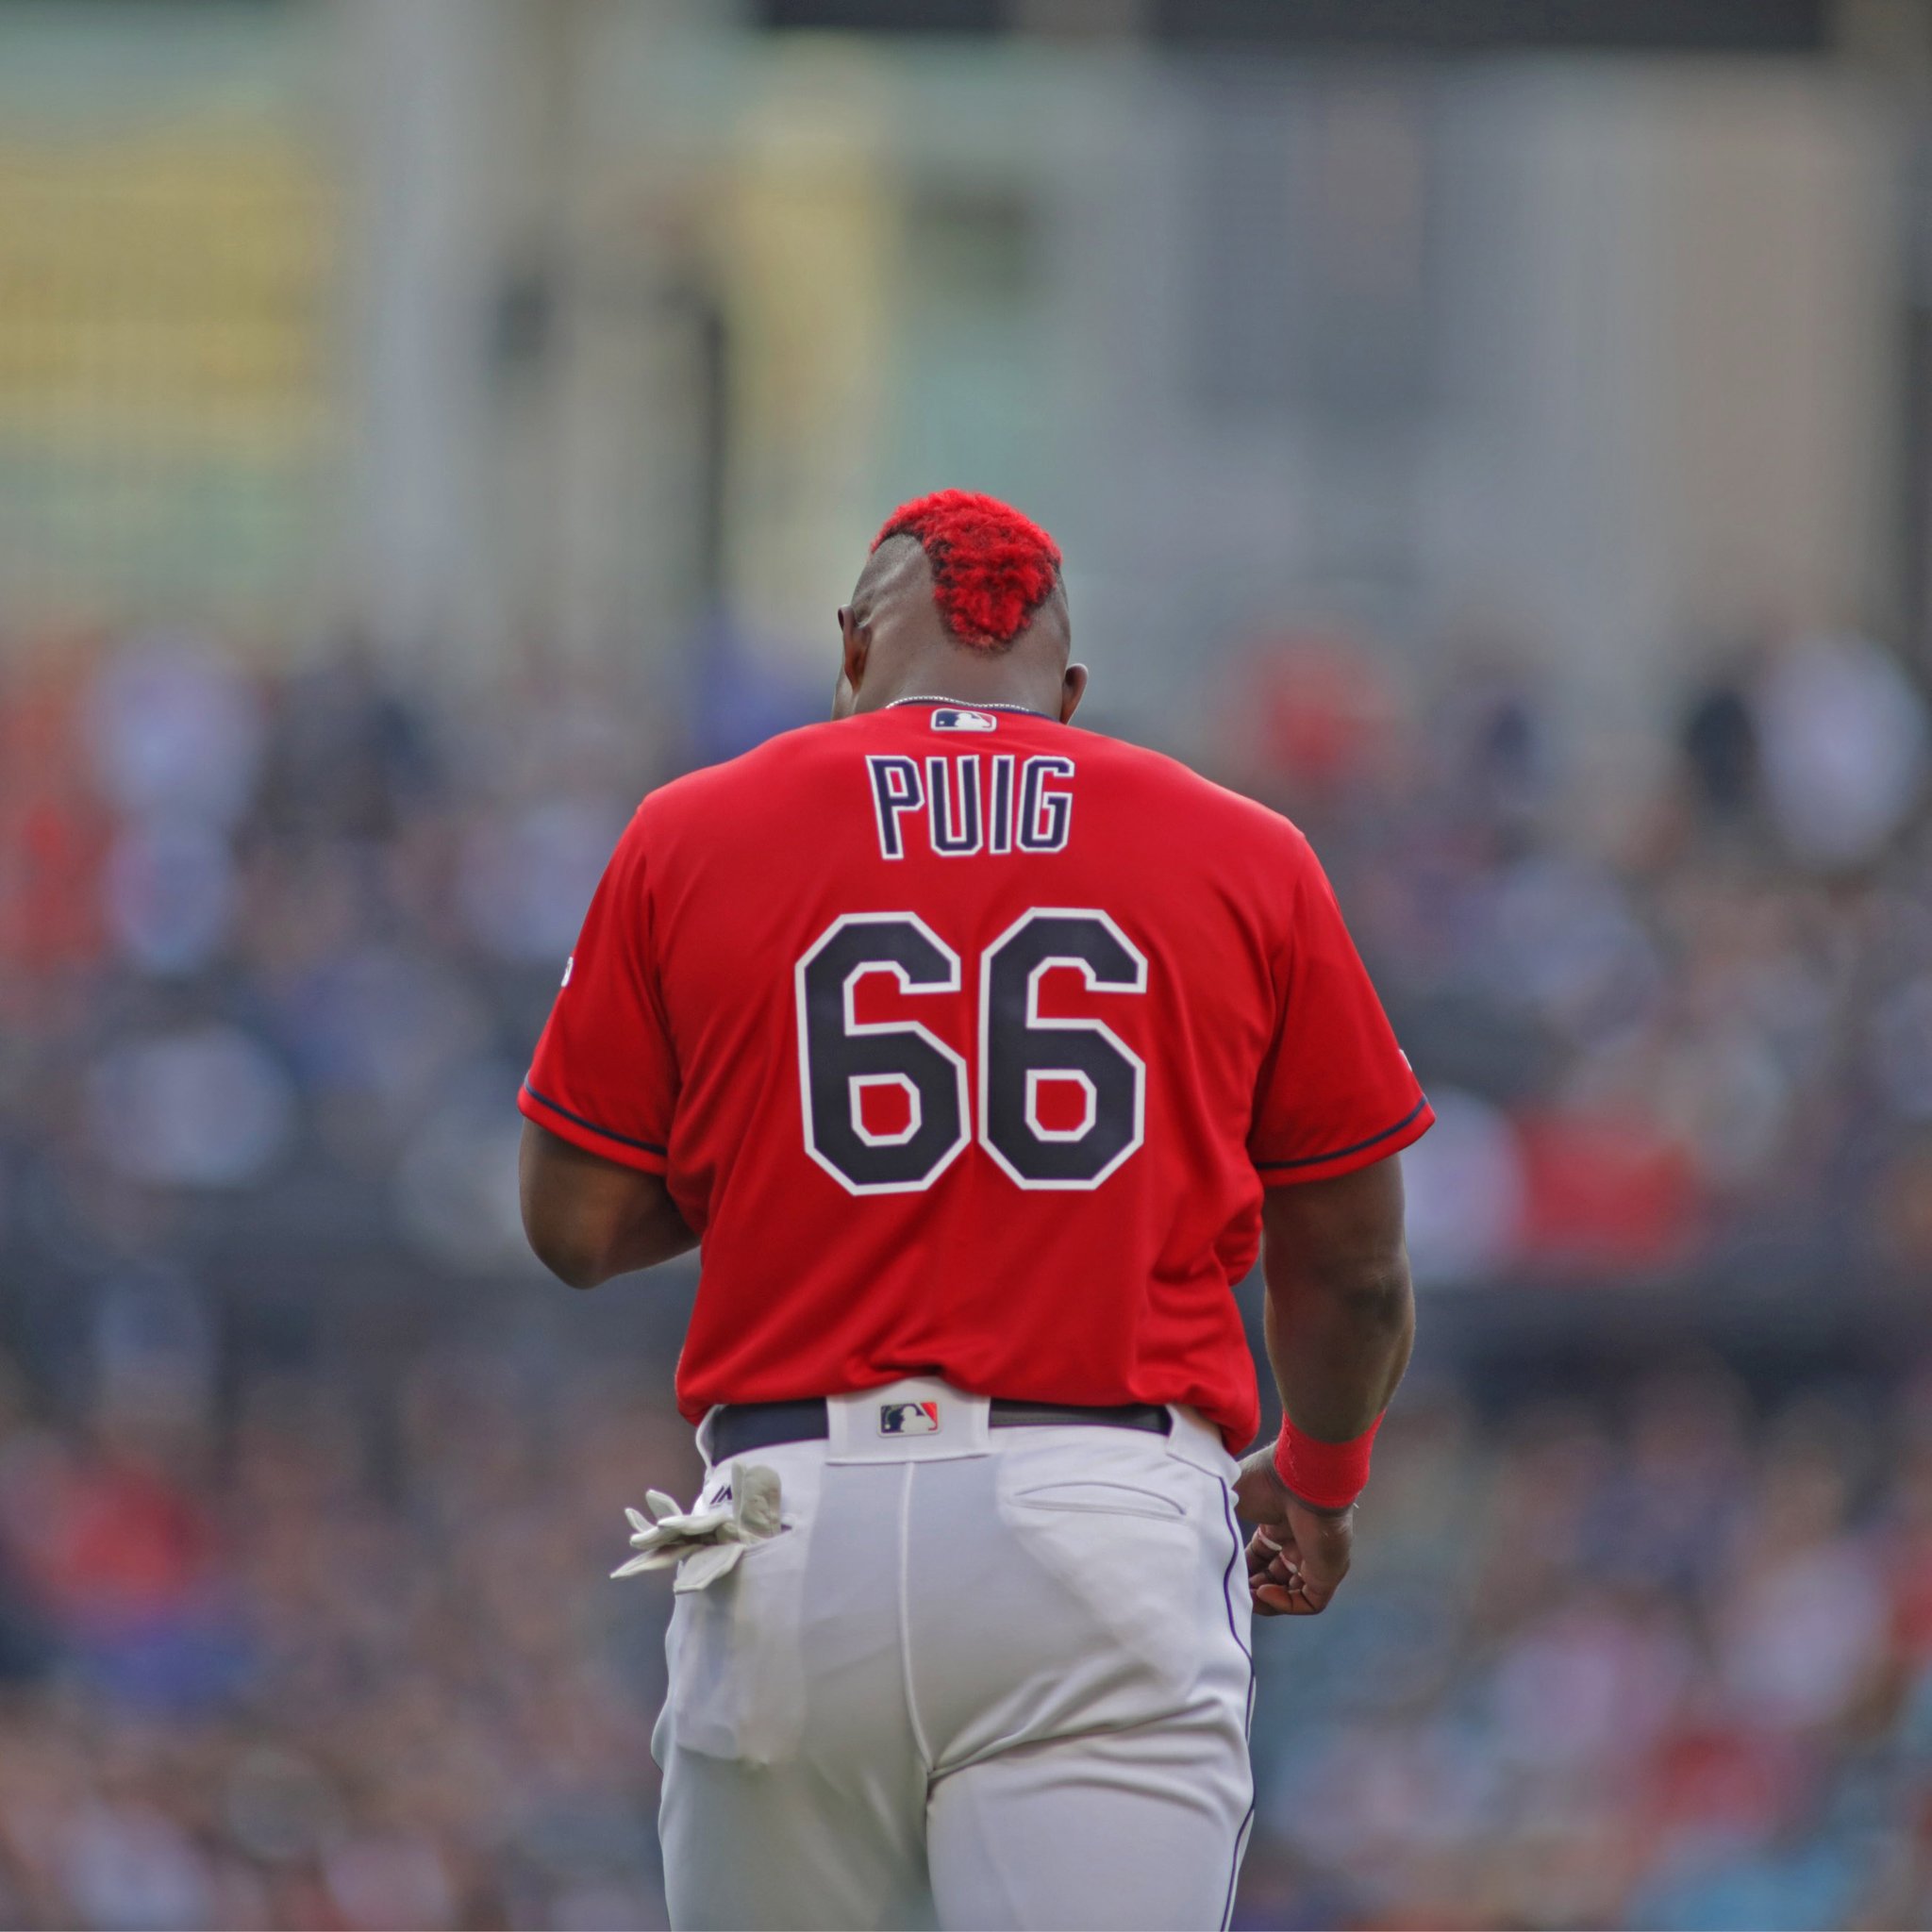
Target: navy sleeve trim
(623, 1140)
(1341, 1153)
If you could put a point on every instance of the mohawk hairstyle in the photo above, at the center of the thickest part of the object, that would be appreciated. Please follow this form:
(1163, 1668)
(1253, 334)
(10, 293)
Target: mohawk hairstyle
(992, 568)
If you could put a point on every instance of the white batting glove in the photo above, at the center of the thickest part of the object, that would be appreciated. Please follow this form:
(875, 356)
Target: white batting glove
(705, 1543)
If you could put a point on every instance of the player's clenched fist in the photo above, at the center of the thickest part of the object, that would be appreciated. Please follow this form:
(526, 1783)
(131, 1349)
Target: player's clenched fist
(1298, 1554)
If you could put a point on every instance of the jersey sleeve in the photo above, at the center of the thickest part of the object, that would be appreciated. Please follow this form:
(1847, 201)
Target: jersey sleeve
(1336, 1092)
(605, 1074)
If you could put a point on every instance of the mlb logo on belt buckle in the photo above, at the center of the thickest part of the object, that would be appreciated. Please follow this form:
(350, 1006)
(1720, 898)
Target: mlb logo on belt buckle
(909, 1418)
(949, 720)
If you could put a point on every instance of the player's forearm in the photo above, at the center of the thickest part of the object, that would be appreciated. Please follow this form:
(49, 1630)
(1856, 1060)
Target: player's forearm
(1340, 1318)
(1338, 1352)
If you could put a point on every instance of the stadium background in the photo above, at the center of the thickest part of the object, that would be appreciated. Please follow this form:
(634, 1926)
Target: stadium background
(1499, 433)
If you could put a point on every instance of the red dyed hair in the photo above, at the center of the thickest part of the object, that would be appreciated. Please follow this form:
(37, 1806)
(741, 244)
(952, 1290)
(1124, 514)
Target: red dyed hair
(992, 568)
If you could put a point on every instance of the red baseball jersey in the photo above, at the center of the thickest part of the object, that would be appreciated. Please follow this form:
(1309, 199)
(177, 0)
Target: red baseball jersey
(968, 1042)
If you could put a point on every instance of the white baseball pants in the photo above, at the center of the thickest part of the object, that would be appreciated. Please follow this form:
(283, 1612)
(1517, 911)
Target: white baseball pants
(983, 1677)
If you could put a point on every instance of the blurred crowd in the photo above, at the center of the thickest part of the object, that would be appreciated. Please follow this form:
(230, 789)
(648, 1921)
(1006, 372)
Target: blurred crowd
(308, 1626)
(1661, 1661)
(290, 935)
(285, 941)
(1670, 989)
(1655, 1661)
(332, 1666)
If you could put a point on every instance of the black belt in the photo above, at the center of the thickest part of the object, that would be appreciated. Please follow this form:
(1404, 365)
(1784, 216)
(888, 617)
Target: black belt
(743, 1427)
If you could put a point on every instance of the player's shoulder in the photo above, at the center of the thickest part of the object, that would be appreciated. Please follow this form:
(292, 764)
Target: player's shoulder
(1202, 804)
(751, 774)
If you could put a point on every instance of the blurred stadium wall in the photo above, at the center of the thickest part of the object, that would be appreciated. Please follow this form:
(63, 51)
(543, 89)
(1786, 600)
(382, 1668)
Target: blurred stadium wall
(474, 317)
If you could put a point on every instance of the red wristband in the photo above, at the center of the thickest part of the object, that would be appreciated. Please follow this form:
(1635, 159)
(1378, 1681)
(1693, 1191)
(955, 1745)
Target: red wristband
(1329, 1474)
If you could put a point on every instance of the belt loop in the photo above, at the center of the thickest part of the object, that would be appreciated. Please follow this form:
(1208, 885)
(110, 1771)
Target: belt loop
(1193, 1439)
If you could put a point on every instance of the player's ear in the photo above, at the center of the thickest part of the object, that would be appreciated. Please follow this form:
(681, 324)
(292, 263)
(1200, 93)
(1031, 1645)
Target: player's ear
(856, 645)
(1073, 689)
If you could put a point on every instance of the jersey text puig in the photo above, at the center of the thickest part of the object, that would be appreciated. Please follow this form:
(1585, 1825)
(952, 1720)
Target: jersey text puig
(969, 802)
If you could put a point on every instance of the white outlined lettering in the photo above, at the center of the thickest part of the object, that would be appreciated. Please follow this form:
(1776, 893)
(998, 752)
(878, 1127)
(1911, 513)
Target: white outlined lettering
(971, 803)
(895, 791)
(1045, 817)
(953, 838)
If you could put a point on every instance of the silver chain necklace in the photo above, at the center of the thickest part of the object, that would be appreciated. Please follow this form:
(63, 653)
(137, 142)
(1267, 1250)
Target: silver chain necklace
(970, 704)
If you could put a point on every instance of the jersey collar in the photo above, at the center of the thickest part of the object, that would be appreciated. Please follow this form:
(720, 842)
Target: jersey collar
(973, 705)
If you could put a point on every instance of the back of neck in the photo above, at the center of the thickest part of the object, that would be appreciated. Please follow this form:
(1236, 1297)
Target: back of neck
(1012, 680)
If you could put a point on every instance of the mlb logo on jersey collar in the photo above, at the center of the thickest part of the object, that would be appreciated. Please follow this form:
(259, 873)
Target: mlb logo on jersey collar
(909, 1418)
(948, 719)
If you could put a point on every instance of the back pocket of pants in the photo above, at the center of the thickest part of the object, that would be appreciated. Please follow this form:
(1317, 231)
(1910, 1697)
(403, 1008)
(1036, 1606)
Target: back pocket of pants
(1088, 1497)
(736, 1661)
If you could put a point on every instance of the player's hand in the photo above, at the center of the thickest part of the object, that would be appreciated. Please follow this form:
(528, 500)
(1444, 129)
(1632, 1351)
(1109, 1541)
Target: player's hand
(1298, 1554)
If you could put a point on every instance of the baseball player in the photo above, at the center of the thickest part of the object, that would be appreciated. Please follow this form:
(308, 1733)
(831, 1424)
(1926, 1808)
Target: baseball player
(981, 1054)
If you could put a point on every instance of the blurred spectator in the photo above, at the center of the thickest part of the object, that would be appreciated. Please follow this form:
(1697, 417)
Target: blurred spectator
(1844, 745)
(1720, 748)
